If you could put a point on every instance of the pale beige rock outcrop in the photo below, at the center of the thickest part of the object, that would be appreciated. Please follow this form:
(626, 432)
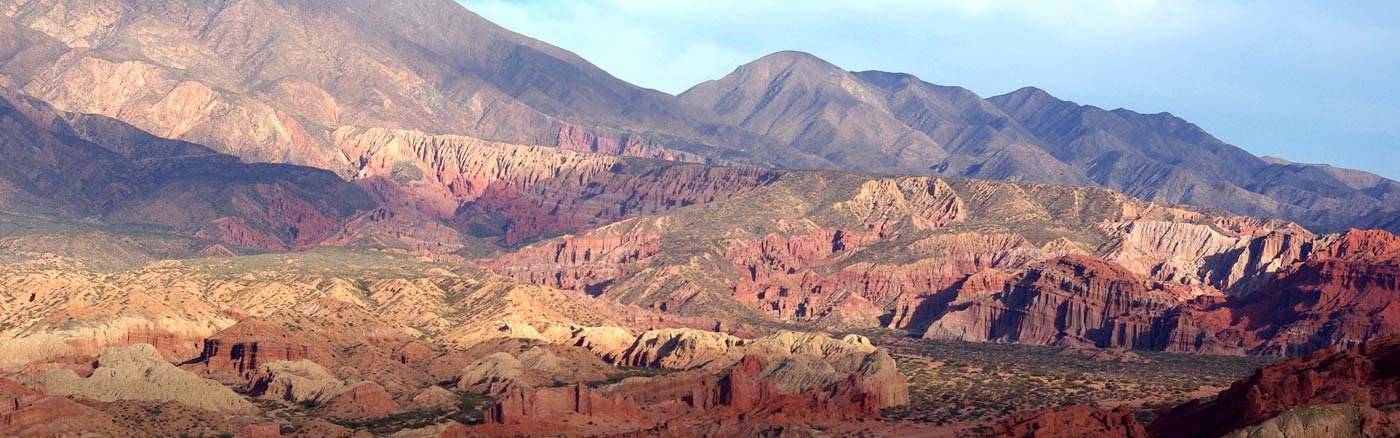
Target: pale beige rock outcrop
(683, 349)
(492, 373)
(301, 381)
(139, 373)
(794, 374)
(812, 344)
(927, 202)
(538, 366)
(608, 343)
(797, 361)
(434, 397)
(519, 331)
(1326, 421)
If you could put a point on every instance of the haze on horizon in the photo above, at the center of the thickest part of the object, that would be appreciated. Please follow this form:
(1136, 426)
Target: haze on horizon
(1308, 82)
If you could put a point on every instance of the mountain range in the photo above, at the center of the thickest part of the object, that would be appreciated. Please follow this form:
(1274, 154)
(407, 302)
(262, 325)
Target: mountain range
(395, 218)
(223, 75)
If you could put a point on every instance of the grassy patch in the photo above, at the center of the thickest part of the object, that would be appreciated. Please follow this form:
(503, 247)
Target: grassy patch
(469, 409)
(955, 382)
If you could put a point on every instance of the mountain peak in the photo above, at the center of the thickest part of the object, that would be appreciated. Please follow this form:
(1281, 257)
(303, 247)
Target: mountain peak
(1027, 94)
(792, 60)
(791, 56)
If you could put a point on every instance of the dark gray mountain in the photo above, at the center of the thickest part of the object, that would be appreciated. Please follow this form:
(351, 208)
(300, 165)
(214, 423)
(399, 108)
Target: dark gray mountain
(889, 122)
(102, 171)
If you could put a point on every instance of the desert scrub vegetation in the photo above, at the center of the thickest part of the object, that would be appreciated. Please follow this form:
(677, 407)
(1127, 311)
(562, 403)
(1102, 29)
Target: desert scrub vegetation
(958, 382)
(470, 409)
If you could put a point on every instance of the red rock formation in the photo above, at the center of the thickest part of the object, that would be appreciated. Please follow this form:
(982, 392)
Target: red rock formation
(575, 138)
(521, 193)
(363, 401)
(1327, 291)
(260, 431)
(1077, 421)
(247, 345)
(785, 276)
(785, 378)
(742, 391)
(29, 412)
(519, 405)
(413, 353)
(581, 263)
(306, 224)
(1368, 375)
(1072, 300)
(454, 430)
(174, 346)
(1345, 294)
(235, 231)
(1258, 262)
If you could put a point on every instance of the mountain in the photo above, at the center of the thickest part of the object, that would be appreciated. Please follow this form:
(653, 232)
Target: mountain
(890, 122)
(1163, 158)
(874, 121)
(268, 80)
(90, 168)
(274, 80)
(339, 218)
(1383, 220)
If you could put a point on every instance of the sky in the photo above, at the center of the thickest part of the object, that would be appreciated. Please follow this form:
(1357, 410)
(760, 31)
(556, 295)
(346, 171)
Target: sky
(1312, 82)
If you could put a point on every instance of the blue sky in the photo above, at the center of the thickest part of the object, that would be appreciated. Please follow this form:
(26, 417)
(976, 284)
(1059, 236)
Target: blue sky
(1305, 81)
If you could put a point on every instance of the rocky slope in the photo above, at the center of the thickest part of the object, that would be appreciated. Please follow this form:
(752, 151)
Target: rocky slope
(890, 122)
(270, 80)
(775, 378)
(980, 261)
(1341, 296)
(28, 411)
(1163, 158)
(277, 81)
(67, 315)
(875, 121)
(387, 343)
(824, 234)
(513, 193)
(67, 166)
(1334, 392)
(1389, 221)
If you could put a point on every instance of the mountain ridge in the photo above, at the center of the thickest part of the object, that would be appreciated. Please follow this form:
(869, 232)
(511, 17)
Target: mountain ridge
(1029, 135)
(276, 93)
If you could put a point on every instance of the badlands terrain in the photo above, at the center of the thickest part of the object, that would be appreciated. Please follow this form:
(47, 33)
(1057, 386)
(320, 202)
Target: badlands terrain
(288, 218)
